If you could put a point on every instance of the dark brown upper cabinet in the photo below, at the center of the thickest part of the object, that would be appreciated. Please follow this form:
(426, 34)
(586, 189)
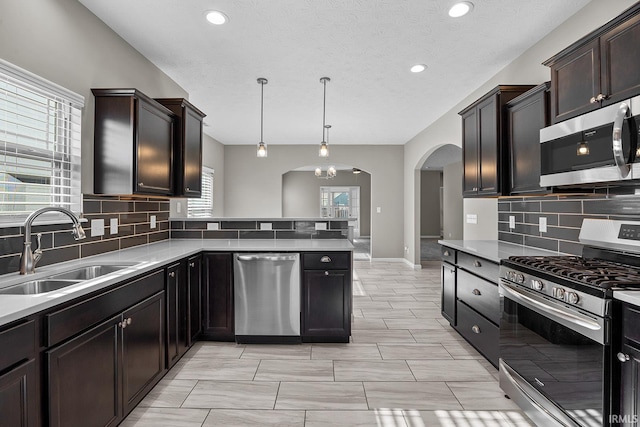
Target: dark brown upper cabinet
(598, 70)
(187, 146)
(527, 114)
(484, 139)
(133, 144)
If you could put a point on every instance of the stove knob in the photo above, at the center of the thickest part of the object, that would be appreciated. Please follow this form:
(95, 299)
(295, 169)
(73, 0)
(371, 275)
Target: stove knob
(537, 285)
(573, 298)
(559, 293)
(510, 275)
(520, 278)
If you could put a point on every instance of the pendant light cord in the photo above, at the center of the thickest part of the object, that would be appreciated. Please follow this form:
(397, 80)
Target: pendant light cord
(324, 105)
(261, 109)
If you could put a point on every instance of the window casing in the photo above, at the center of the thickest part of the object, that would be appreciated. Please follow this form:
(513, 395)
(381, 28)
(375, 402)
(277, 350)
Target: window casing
(40, 144)
(202, 207)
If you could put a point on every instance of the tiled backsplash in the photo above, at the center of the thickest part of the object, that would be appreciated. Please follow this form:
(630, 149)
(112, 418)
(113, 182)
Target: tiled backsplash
(254, 229)
(134, 228)
(564, 214)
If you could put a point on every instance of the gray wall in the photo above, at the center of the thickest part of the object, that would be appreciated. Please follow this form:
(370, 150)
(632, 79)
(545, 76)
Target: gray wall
(452, 201)
(526, 69)
(253, 187)
(64, 42)
(301, 194)
(430, 182)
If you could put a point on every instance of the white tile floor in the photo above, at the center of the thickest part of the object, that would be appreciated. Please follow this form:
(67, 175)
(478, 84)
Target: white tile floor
(404, 367)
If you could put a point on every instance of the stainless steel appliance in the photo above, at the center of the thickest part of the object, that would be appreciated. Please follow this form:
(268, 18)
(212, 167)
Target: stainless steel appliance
(555, 329)
(599, 146)
(267, 297)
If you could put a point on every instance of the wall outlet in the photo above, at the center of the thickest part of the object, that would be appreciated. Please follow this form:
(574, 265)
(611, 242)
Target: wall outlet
(472, 219)
(266, 226)
(97, 227)
(213, 226)
(113, 226)
(321, 225)
(152, 221)
(542, 224)
(512, 222)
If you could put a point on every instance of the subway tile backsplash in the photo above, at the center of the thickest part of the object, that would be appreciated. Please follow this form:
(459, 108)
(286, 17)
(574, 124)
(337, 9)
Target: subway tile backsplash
(133, 215)
(564, 214)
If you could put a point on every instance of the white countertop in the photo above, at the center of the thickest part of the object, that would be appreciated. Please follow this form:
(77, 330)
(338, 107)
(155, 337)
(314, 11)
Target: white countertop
(139, 260)
(495, 250)
(632, 297)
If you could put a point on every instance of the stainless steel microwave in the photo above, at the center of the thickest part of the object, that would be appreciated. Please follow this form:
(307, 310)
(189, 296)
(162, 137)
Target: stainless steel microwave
(599, 146)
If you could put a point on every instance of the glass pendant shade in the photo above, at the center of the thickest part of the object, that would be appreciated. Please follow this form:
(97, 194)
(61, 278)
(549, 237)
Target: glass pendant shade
(324, 150)
(262, 149)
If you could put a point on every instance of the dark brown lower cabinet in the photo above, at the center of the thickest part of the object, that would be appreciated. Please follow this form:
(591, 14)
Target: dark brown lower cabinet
(448, 296)
(217, 297)
(96, 378)
(177, 313)
(194, 282)
(19, 402)
(326, 298)
(630, 381)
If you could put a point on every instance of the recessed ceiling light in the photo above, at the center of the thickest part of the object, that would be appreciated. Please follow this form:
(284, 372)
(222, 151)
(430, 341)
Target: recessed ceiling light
(418, 68)
(216, 17)
(460, 9)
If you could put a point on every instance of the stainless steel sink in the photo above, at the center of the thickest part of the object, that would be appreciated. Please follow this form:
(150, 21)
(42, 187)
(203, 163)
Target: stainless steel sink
(37, 287)
(89, 272)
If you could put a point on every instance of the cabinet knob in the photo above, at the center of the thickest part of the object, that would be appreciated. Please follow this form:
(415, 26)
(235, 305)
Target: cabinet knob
(326, 273)
(476, 292)
(172, 274)
(187, 189)
(446, 253)
(475, 329)
(192, 264)
(141, 184)
(129, 320)
(593, 100)
(622, 357)
(601, 97)
(474, 189)
(122, 324)
(477, 263)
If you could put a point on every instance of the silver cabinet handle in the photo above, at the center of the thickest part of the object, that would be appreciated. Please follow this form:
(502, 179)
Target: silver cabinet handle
(326, 273)
(129, 320)
(601, 97)
(476, 292)
(172, 274)
(141, 184)
(475, 329)
(593, 100)
(325, 259)
(477, 263)
(446, 253)
(622, 357)
(618, 154)
(187, 188)
(122, 325)
(192, 264)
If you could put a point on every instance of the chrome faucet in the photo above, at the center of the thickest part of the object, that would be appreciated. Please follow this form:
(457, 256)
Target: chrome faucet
(29, 259)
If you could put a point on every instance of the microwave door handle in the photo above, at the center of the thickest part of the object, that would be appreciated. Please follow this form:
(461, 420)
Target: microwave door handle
(618, 154)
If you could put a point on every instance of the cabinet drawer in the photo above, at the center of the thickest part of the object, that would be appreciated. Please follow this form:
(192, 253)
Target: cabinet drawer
(481, 333)
(448, 254)
(479, 294)
(480, 266)
(326, 261)
(17, 343)
(72, 320)
(630, 322)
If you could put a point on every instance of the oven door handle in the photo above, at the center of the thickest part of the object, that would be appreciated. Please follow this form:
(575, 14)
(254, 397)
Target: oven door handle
(581, 323)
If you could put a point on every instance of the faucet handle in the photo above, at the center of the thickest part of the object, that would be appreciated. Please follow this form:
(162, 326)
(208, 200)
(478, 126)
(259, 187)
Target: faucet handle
(37, 254)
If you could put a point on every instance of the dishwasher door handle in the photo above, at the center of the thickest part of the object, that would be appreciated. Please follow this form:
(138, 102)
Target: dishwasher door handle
(267, 257)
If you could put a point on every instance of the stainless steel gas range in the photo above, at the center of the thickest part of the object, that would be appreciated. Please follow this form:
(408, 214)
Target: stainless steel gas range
(555, 328)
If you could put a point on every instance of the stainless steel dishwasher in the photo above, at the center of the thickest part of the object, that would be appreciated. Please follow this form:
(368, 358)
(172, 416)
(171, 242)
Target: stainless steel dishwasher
(267, 297)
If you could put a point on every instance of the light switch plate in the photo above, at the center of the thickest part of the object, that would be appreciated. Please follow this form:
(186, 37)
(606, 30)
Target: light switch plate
(213, 226)
(152, 221)
(321, 225)
(266, 226)
(97, 227)
(113, 226)
(378, 209)
(512, 222)
(472, 219)
(542, 224)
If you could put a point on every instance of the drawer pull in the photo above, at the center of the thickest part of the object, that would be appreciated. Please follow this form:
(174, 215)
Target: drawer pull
(446, 253)
(325, 259)
(477, 263)
(475, 329)
(476, 292)
(623, 357)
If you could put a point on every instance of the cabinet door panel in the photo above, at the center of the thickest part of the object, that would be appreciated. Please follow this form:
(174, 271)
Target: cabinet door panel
(83, 379)
(173, 311)
(154, 150)
(195, 297)
(19, 402)
(326, 296)
(142, 348)
(470, 152)
(488, 146)
(630, 383)
(448, 297)
(217, 296)
(620, 49)
(192, 154)
(574, 80)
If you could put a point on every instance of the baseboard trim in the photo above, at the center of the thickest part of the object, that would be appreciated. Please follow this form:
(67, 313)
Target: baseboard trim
(431, 237)
(402, 260)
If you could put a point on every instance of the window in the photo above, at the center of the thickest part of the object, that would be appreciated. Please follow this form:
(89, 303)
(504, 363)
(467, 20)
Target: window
(39, 144)
(203, 207)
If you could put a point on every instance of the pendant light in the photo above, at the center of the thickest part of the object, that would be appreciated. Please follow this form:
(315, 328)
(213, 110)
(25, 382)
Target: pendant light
(262, 147)
(324, 148)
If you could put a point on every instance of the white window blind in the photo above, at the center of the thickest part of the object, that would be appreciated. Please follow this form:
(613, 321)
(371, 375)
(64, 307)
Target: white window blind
(39, 144)
(203, 207)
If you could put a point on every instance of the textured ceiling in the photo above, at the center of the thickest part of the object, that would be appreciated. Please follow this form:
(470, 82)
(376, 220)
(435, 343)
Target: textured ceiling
(366, 47)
